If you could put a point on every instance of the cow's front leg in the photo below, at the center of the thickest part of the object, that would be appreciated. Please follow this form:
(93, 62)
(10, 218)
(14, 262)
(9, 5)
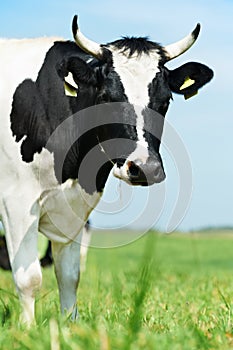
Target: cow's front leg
(21, 228)
(67, 260)
(28, 281)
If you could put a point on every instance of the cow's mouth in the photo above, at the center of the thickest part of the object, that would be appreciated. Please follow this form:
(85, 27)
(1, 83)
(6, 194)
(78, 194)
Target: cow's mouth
(135, 175)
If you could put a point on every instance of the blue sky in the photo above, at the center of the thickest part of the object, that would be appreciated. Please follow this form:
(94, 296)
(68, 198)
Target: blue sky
(205, 122)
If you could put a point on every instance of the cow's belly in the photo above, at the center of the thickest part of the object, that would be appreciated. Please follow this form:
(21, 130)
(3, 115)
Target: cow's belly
(65, 210)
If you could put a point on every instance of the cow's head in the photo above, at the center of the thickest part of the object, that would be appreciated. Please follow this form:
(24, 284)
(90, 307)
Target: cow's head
(133, 70)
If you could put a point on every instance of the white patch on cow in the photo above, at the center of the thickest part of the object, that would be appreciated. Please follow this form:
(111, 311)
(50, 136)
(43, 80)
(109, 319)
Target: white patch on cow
(28, 282)
(65, 210)
(136, 73)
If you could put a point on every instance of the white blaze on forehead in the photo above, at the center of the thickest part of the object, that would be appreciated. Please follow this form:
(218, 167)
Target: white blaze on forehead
(136, 73)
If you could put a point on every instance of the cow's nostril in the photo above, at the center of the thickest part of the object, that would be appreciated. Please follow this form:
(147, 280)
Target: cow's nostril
(133, 169)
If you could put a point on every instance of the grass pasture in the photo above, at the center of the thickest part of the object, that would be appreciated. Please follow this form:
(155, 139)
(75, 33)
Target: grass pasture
(160, 292)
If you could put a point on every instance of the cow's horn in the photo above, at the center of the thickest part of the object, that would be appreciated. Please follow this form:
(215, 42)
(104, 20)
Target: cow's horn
(176, 49)
(84, 43)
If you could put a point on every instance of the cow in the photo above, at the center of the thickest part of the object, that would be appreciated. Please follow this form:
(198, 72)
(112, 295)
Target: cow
(56, 100)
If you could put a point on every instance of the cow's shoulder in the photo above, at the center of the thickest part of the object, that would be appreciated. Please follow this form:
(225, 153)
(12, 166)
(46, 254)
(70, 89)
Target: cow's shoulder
(40, 106)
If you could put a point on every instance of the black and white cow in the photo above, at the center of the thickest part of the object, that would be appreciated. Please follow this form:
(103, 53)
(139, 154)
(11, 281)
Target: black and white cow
(45, 83)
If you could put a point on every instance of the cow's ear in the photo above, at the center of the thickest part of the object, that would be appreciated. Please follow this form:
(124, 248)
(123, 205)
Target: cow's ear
(189, 78)
(75, 71)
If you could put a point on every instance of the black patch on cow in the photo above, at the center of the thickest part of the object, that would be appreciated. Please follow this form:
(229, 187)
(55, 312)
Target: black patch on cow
(39, 107)
(160, 92)
(139, 46)
(28, 118)
(160, 95)
(112, 90)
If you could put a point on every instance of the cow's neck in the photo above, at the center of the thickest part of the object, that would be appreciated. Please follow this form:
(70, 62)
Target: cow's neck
(87, 163)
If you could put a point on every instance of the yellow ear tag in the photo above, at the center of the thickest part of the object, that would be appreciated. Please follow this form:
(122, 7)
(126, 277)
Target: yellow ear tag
(188, 82)
(69, 90)
(70, 86)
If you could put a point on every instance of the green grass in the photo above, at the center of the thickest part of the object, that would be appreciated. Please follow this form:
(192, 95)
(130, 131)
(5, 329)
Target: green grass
(160, 292)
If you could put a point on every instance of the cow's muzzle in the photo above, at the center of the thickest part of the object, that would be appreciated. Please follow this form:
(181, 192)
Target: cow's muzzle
(138, 173)
(145, 174)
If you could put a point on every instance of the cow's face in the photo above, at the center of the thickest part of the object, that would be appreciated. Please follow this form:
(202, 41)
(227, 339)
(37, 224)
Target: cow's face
(131, 70)
(146, 89)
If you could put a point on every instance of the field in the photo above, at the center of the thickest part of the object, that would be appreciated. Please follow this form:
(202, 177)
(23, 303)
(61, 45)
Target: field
(160, 292)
